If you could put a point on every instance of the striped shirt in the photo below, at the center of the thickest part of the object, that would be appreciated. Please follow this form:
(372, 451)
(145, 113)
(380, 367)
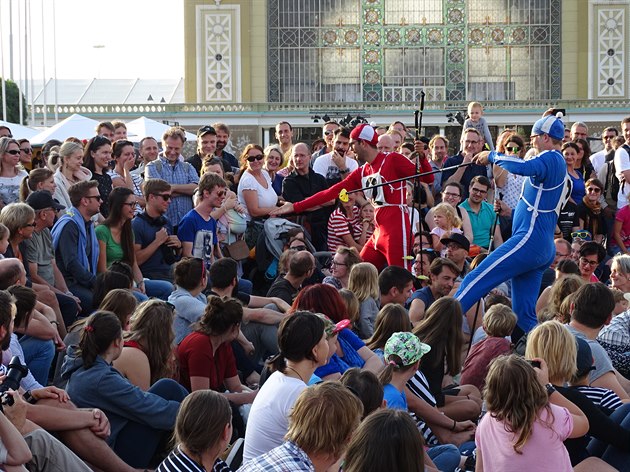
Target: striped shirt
(178, 461)
(605, 399)
(419, 386)
(340, 225)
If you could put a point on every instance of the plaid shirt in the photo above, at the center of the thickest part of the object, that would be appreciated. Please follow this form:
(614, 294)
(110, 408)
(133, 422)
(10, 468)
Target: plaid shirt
(617, 333)
(285, 458)
(181, 173)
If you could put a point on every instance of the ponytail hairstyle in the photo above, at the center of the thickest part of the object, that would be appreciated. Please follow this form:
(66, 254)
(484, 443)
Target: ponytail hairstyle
(151, 326)
(298, 334)
(25, 301)
(101, 330)
(29, 183)
(221, 315)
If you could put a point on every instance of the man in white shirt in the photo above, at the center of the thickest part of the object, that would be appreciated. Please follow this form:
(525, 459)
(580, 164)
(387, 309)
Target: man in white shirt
(598, 159)
(336, 165)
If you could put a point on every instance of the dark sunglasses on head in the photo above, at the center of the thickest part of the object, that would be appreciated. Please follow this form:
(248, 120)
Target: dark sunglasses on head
(298, 248)
(582, 234)
(258, 157)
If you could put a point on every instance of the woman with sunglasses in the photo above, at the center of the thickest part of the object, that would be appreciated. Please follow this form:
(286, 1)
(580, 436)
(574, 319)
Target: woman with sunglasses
(124, 155)
(570, 152)
(255, 190)
(115, 240)
(26, 154)
(509, 185)
(147, 355)
(589, 210)
(11, 172)
(97, 156)
(70, 170)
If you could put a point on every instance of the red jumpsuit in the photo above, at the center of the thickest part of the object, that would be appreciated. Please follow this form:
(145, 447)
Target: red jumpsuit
(390, 242)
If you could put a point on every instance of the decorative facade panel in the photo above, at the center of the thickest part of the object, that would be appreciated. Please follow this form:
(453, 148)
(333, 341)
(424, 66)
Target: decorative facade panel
(611, 50)
(218, 62)
(391, 50)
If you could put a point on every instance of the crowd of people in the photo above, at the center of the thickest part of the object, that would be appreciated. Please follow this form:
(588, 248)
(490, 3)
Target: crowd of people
(161, 331)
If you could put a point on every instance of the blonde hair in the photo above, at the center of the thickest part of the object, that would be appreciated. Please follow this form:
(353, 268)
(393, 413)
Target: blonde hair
(618, 295)
(560, 290)
(554, 343)
(472, 105)
(324, 418)
(352, 304)
(499, 320)
(448, 211)
(4, 231)
(15, 215)
(363, 281)
(515, 397)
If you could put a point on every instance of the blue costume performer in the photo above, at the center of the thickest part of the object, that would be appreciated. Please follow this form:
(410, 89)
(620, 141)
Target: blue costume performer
(525, 256)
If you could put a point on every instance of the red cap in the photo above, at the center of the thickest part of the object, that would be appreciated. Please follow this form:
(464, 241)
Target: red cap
(366, 133)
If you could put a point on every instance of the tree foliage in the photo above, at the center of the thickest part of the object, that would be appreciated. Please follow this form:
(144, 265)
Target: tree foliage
(13, 104)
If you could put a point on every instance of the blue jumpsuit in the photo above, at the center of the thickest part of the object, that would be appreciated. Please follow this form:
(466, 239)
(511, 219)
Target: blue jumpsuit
(531, 250)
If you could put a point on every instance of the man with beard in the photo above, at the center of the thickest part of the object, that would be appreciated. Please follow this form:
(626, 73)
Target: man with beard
(444, 272)
(229, 161)
(389, 243)
(335, 165)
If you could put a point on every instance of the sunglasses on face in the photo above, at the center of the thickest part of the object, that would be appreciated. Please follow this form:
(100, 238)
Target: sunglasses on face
(27, 150)
(513, 148)
(257, 157)
(14, 152)
(594, 190)
(164, 196)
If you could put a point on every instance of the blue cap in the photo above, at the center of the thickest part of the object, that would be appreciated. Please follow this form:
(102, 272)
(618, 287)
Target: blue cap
(549, 125)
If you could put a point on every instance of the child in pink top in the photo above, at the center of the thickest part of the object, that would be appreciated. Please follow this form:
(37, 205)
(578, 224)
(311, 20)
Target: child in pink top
(523, 428)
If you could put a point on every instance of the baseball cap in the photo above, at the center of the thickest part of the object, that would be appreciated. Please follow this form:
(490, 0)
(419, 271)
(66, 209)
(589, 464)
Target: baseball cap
(41, 199)
(205, 130)
(330, 327)
(584, 358)
(366, 133)
(549, 125)
(457, 239)
(406, 346)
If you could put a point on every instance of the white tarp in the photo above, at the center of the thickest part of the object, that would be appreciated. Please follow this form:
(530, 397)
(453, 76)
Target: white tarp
(143, 127)
(76, 126)
(19, 131)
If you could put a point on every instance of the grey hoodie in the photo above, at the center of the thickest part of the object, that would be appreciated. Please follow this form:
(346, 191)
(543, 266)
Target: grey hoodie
(188, 310)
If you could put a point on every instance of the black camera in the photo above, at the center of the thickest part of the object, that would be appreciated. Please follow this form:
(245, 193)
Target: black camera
(14, 376)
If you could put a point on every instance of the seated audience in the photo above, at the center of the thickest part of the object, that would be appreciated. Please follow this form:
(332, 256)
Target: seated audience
(321, 422)
(203, 429)
(303, 347)
(498, 323)
(147, 354)
(140, 420)
(392, 318)
(363, 282)
(340, 267)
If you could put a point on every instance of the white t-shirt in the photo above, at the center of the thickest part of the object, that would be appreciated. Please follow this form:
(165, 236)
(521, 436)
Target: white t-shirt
(268, 420)
(10, 187)
(325, 166)
(266, 196)
(598, 159)
(622, 162)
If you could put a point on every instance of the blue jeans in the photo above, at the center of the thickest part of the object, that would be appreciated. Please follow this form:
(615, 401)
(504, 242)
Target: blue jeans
(613, 456)
(38, 355)
(446, 457)
(137, 443)
(158, 288)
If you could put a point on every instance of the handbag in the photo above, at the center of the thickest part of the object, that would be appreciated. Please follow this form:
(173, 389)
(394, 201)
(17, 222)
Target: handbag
(238, 250)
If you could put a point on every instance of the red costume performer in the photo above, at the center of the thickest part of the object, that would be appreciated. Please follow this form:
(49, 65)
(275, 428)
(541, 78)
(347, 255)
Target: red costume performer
(389, 243)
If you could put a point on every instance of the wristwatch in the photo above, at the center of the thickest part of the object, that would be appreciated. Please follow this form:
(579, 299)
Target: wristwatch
(550, 389)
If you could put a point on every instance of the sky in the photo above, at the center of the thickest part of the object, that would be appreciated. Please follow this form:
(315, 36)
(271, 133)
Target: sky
(134, 38)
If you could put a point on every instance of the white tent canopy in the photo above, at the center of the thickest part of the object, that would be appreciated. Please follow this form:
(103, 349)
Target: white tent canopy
(19, 131)
(143, 127)
(77, 126)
